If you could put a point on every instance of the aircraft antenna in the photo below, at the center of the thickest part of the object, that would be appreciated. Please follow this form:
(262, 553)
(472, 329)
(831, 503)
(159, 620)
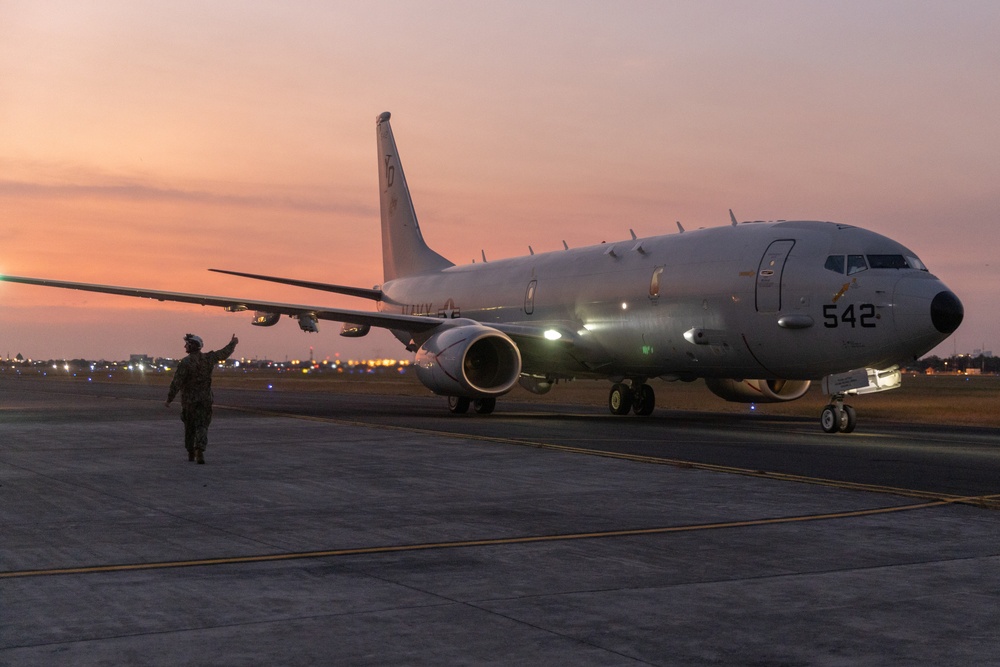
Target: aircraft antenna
(484, 256)
(565, 247)
(530, 250)
(732, 217)
(679, 227)
(632, 233)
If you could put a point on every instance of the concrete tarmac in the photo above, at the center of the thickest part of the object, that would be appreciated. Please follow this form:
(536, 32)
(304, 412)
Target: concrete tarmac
(308, 540)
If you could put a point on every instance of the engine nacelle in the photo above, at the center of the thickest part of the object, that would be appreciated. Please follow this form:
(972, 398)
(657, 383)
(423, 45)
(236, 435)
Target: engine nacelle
(758, 391)
(471, 360)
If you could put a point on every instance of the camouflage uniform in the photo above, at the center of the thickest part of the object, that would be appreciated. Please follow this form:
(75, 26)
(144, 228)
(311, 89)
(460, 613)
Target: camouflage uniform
(193, 379)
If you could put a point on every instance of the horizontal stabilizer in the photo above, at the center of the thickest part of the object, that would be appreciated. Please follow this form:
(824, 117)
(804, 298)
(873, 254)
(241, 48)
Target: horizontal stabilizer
(363, 292)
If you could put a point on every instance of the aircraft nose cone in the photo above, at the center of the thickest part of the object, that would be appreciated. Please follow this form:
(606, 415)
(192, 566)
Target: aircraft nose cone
(946, 312)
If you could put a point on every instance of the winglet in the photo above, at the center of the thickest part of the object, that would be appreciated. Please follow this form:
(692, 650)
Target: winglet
(732, 217)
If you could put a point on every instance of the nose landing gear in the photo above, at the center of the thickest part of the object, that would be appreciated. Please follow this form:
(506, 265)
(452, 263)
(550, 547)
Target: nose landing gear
(838, 417)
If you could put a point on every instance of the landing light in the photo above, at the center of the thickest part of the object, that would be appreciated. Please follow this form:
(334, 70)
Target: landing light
(552, 334)
(624, 306)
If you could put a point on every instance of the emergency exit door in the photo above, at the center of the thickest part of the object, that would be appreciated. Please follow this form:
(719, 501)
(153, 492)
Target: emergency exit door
(772, 264)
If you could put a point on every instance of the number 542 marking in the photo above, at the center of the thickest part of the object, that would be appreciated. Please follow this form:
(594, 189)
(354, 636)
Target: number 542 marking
(864, 317)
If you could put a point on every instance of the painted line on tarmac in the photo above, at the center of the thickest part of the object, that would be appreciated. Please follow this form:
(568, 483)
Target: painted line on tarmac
(988, 502)
(464, 544)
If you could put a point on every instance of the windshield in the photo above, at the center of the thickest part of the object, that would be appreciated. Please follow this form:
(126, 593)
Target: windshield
(851, 264)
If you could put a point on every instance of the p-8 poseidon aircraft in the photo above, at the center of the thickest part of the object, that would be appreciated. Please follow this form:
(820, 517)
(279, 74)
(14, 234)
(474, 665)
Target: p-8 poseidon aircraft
(759, 310)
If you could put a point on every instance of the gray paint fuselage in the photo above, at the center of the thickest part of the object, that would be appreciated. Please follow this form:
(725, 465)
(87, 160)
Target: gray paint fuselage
(600, 298)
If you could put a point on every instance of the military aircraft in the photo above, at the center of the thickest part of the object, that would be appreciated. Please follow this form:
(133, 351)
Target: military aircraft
(759, 310)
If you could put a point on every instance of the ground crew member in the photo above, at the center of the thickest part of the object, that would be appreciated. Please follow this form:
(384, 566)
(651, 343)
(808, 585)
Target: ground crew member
(193, 379)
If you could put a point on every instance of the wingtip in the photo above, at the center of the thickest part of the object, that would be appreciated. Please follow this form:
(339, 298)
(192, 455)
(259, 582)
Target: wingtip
(383, 117)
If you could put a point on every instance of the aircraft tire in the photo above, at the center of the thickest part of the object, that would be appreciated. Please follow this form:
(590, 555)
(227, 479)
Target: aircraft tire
(458, 405)
(644, 400)
(849, 421)
(484, 406)
(830, 418)
(620, 399)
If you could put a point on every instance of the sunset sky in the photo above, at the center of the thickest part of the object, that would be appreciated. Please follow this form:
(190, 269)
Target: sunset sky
(144, 142)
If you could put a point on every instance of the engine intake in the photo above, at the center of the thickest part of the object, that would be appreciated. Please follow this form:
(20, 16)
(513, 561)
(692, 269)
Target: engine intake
(471, 360)
(758, 391)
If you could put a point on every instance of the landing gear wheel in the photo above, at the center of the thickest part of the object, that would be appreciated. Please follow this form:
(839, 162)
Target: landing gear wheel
(830, 418)
(620, 399)
(849, 420)
(644, 400)
(484, 406)
(458, 405)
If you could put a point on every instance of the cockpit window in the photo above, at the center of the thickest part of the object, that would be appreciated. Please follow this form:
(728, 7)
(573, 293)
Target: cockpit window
(855, 264)
(895, 262)
(835, 263)
(887, 262)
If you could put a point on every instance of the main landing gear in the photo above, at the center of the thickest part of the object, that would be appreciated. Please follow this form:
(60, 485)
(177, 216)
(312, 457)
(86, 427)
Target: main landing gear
(838, 417)
(459, 405)
(639, 398)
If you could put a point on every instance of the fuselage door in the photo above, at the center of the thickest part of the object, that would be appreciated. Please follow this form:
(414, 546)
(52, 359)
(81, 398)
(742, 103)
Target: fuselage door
(769, 276)
(529, 298)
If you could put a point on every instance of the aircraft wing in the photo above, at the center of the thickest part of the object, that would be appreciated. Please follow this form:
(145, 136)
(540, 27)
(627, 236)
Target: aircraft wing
(412, 323)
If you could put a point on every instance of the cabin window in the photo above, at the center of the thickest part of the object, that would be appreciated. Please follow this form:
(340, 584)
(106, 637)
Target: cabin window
(856, 264)
(654, 282)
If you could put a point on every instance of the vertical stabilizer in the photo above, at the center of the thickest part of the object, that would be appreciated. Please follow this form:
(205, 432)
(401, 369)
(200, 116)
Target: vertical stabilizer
(404, 252)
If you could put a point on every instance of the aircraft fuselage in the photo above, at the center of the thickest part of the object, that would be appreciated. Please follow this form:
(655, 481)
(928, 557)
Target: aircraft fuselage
(752, 300)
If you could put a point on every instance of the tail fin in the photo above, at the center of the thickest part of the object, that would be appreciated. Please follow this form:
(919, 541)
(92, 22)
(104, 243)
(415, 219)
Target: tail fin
(404, 252)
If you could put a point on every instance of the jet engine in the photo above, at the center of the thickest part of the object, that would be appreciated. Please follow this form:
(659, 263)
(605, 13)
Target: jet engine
(757, 391)
(470, 360)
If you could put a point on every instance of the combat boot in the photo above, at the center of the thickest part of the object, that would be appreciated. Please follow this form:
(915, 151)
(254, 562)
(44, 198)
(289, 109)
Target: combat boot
(190, 455)
(200, 454)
